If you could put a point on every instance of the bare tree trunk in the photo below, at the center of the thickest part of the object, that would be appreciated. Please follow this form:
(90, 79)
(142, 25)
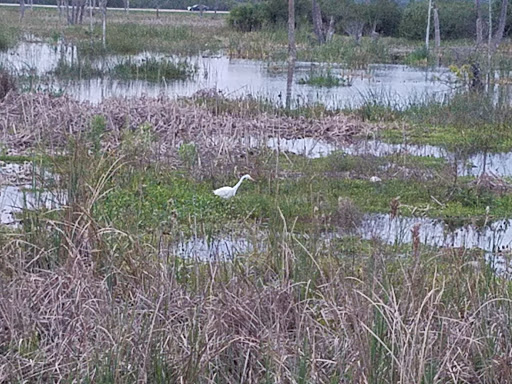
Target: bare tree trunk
(292, 52)
(437, 35)
(317, 22)
(437, 31)
(479, 25)
(73, 12)
(126, 6)
(498, 36)
(59, 8)
(91, 27)
(82, 8)
(31, 2)
(489, 46)
(330, 31)
(427, 34)
(67, 10)
(22, 10)
(103, 7)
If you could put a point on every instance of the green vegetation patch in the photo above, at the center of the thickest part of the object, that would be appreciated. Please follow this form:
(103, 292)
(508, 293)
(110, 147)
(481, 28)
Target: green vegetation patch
(152, 69)
(327, 79)
(150, 199)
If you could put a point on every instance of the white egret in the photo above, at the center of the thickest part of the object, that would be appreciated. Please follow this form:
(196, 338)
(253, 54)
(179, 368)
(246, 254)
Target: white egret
(229, 192)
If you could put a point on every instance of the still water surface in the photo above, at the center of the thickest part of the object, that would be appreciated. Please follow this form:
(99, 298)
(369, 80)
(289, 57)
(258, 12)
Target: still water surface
(396, 84)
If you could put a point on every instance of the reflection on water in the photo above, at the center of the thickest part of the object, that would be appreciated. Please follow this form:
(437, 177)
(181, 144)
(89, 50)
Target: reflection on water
(222, 248)
(493, 238)
(396, 84)
(434, 232)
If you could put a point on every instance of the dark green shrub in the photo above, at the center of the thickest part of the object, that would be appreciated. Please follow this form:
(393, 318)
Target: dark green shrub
(386, 14)
(456, 20)
(276, 12)
(5, 38)
(247, 17)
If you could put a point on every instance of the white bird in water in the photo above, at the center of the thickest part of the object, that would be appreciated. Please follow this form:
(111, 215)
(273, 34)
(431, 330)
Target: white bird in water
(229, 192)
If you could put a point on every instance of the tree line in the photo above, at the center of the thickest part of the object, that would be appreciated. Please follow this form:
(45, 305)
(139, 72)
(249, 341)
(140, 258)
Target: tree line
(458, 19)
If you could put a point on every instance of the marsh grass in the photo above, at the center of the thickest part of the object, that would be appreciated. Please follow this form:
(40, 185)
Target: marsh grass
(89, 292)
(130, 315)
(155, 70)
(80, 69)
(6, 37)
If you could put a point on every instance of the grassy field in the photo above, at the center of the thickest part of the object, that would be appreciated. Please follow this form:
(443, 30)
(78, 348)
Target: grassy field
(97, 290)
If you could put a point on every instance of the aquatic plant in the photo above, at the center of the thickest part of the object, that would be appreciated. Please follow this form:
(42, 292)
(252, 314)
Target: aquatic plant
(325, 79)
(152, 69)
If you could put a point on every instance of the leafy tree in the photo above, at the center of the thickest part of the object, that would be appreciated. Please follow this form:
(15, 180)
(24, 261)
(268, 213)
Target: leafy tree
(247, 17)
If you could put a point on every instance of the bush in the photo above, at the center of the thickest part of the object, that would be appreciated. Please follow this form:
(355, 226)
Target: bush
(246, 17)
(387, 17)
(456, 19)
(276, 12)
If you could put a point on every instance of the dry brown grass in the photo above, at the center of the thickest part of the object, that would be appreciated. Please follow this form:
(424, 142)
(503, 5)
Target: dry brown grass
(29, 120)
(71, 323)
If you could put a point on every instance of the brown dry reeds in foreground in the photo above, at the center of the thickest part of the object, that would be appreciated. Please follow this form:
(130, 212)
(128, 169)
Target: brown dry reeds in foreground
(70, 325)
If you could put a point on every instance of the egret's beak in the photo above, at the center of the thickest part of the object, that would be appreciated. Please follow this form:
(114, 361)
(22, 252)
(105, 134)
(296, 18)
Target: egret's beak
(250, 178)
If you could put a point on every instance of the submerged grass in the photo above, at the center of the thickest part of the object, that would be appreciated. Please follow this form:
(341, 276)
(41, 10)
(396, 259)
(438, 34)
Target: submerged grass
(327, 79)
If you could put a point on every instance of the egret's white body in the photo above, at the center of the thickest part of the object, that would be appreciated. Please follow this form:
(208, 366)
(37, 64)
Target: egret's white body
(229, 192)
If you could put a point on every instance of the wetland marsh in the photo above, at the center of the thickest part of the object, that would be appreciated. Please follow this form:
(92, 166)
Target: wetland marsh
(372, 247)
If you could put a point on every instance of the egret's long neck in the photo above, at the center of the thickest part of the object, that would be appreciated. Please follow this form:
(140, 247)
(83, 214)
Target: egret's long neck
(238, 184)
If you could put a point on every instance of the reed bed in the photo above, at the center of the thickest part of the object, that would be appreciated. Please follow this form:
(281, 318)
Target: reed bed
(435, 320)
(31, 119)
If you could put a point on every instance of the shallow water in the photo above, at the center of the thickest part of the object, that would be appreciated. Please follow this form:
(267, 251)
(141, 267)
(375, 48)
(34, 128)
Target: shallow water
(13, 199)
(397, 84)
(495, 238)
(222, 248)
(499, 164)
